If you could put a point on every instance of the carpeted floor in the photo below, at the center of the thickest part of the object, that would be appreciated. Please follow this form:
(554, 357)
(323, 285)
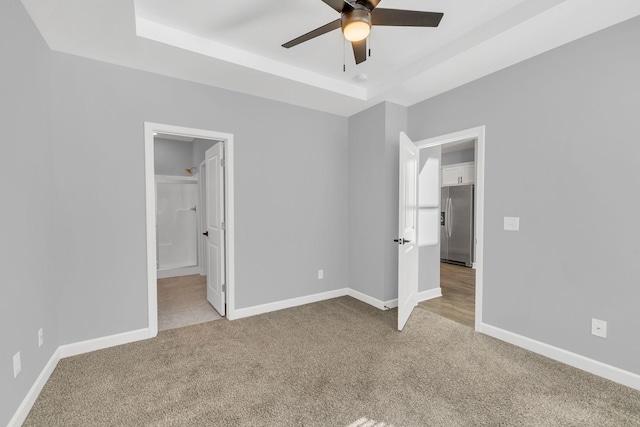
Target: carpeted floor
(334, 363)
(182, 301)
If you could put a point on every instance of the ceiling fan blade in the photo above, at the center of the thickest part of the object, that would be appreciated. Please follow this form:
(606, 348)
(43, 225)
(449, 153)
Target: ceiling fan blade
(334, 25)
(405, 18)
(339, 5)
(360, 50)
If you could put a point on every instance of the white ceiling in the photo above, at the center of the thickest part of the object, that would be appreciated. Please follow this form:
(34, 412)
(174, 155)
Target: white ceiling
(237, 45)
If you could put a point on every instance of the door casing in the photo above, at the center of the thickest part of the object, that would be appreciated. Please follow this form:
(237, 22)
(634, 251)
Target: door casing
(477, 133)
(149, 130)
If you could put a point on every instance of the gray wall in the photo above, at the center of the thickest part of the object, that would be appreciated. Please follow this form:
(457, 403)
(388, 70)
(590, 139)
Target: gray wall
(373, 199)
(556, 126)
(290, 196)
(172, 157)
(28, 250)
(462, 156)
(366, 200)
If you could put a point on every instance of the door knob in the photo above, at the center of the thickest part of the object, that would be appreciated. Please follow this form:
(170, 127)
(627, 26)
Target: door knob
(401, 241)
(206, 233)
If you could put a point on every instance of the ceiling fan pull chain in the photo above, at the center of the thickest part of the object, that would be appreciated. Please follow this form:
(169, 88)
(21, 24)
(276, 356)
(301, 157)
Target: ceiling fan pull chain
(344, 65)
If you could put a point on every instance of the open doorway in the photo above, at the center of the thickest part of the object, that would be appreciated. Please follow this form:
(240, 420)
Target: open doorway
(179, 163)
(456, 243)
(451, 200)
(189, 182)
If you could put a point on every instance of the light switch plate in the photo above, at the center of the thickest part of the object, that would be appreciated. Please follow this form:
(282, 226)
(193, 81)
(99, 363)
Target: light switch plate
(512, 223)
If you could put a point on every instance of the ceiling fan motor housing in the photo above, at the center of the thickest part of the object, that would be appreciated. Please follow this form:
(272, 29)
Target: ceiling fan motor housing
(358, 16)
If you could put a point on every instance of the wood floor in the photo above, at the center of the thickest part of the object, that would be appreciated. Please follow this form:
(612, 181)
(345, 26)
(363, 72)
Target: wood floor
(458, 298)
(182, 301)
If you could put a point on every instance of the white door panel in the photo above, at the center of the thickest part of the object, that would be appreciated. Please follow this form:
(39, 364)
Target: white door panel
(214, 184)
(408, 230)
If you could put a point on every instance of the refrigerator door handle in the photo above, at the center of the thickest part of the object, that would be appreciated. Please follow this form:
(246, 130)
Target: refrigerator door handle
(446, 217)
(450, 216)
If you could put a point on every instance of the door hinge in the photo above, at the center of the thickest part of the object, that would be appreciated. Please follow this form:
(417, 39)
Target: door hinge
(224, 288)
(222, 162)
(223, 226)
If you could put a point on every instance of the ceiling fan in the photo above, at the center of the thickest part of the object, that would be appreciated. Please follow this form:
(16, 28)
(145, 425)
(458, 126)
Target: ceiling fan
(358, 16)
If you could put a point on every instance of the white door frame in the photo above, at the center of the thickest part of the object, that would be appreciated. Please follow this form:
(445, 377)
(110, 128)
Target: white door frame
(477, 133)
(201, 219)
(149, 130)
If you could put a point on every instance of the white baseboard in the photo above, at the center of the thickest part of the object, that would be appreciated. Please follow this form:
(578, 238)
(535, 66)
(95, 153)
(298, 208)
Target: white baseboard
(369, 300)
(87, 346)
(392, 303)
(430, 294)
(293, 302)
(178, 272)
(27, 403)
(572, 359)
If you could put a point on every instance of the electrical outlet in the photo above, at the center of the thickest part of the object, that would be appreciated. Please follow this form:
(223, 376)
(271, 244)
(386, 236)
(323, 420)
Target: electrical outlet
(40, 337)
(512, 223)
(599, 328)
(17, 366)
(320, 274)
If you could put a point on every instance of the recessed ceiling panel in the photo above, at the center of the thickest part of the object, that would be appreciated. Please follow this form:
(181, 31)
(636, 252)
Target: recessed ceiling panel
(237, 45)
(255, 30)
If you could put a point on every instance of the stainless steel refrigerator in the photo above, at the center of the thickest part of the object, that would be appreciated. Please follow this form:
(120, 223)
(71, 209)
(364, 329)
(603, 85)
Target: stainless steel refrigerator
(456, 224)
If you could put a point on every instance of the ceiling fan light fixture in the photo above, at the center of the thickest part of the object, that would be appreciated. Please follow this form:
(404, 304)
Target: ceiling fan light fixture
(356, 25)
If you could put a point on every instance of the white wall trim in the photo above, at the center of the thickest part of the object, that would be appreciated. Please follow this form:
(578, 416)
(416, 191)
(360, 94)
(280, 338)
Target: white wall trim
(392, 303)
(177, 272)
(69, 350)
(430, 294)
(371, 300)
(152, 275)
(87, 346)
(27, 403)
(477, 133)
(288, 303)
(572, 359)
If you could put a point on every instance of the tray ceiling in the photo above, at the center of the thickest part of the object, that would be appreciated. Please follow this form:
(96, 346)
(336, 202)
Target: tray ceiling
(237, 45)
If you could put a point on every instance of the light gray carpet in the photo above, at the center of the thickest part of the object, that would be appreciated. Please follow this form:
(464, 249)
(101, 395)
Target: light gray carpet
(333, 363)
(182, 301)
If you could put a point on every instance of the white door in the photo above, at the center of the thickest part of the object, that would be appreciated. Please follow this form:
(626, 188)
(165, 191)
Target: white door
(408, 227)
(214, 184)
(202, 218)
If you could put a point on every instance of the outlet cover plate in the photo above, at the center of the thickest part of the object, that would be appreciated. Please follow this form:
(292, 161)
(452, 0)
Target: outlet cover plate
(40, 337)
(17, 365)
(512, 223)
(320, 274)
(599, 328)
